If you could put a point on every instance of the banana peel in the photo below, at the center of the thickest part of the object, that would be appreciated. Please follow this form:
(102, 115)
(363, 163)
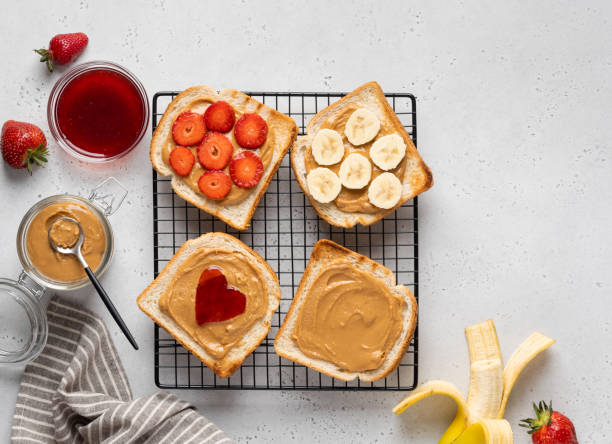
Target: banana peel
(479, 418)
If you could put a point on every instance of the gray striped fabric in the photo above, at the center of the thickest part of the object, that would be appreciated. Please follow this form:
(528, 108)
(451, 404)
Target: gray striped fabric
(76, 391)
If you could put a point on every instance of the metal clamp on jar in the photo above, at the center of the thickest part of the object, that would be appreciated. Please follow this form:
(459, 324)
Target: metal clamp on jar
(23, 321)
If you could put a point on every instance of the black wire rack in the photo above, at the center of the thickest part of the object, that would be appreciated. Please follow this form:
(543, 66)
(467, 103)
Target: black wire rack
(283, 230)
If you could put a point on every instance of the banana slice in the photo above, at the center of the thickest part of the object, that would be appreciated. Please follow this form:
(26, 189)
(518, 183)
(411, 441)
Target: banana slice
(323, 185)
(385, 191)
(355, 171)
(388, 151)
(362, 126)
(327, 147)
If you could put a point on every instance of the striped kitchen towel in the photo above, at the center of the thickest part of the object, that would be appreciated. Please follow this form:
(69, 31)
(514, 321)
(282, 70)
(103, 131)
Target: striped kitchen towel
(76, 391)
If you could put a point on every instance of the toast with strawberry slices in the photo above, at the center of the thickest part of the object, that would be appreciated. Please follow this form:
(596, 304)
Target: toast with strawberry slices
(243, 140)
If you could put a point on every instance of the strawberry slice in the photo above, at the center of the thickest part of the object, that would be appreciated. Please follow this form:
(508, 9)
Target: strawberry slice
(246, 169)
(251, 131)
(215, 184)
(215, 151)
(219, 117)
(181, 160)
(188, 129)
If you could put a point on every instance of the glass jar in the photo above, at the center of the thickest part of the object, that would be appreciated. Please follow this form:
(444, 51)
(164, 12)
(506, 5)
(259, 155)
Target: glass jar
(23, 320)
(102, 99)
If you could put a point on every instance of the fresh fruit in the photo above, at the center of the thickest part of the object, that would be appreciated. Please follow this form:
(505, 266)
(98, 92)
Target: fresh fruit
(215, 301)
(251, 131)
(246, 169)
(214, 184)
(549, 426)
(323, 184)
(355, 171)
(388, 151)
(63, 49)
(486, 368)
(220, 117)
(480, 418)
(385, 191)
(23, 145)
(215, 151)
(362, 126)
(327, 147)
(181, 160)
(188, 129)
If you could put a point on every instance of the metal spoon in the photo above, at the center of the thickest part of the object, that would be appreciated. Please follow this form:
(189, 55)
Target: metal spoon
(75, 250)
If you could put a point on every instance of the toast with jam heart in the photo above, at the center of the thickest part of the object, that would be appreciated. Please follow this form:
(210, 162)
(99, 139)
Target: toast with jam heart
(216, 297)
(221, 150)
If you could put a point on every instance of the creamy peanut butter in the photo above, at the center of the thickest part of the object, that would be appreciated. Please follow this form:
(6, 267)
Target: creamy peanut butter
(58, 266)
(355, 201)
(64, 233)
(349, 318)
(178, 301)
(265, 152)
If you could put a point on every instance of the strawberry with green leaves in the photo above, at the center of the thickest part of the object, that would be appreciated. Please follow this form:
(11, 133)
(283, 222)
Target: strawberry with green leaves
(23, 145)
(549, 426)
(63, 49)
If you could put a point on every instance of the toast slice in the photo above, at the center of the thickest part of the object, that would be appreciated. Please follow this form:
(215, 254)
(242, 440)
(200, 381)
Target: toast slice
(148, 301)
(325, 252)
(417, 176)
(237, 215)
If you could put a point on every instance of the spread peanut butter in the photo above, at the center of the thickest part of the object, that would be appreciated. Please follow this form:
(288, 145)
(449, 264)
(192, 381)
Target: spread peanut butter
(265, 152)
(217, 338)
(355, 201)
(58, 266)
(349, 318)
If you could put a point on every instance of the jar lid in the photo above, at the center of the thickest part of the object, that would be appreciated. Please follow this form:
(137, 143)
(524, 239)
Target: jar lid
(23, 323)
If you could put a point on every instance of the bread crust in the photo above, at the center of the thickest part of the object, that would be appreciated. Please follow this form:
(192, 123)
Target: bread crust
(327, 250)
(226, 366)
(330, 212)
(239, 215)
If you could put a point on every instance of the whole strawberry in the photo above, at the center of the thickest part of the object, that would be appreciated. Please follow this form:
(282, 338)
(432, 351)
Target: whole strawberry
(23, 145)
(63, 49)
(549, 426)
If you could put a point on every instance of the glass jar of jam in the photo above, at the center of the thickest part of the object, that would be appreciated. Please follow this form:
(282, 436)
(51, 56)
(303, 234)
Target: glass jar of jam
(98, 111)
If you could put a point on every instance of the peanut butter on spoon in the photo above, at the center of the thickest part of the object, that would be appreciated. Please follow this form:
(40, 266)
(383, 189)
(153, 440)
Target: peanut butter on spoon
(64, 233)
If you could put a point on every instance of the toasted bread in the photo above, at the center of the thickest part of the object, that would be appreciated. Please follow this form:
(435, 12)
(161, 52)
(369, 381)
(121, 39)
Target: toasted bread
(417, 177)
(148, 301)
(238, 215)
(325, 252)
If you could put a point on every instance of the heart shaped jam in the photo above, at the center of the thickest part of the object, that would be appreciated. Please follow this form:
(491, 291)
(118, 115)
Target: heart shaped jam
(215, 301)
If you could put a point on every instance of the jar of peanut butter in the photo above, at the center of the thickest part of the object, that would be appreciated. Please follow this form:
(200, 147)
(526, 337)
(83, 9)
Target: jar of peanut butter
(23, 323)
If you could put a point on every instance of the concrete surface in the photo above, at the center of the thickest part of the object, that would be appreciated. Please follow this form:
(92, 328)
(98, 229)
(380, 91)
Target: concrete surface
(514, 103)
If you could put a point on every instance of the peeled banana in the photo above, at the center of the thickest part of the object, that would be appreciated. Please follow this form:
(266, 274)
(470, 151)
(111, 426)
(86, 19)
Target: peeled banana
(479, 419)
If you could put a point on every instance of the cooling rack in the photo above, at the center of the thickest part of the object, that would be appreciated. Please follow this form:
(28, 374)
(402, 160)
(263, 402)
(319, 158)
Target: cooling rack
(283, 230)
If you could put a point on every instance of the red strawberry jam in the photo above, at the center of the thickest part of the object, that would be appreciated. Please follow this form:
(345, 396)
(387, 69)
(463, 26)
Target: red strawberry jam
(215, 301)
(101, 112)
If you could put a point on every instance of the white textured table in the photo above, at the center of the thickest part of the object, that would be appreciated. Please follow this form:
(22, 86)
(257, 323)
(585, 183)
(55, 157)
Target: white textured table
(514, 109)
